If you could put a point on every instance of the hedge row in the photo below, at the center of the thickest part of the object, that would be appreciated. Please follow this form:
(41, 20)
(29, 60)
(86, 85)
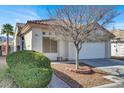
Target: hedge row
(29, 69)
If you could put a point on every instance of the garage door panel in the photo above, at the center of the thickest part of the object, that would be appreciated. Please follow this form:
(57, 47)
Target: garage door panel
(88, 51)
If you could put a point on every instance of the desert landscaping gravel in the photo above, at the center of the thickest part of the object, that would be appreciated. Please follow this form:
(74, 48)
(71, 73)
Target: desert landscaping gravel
(77, 80)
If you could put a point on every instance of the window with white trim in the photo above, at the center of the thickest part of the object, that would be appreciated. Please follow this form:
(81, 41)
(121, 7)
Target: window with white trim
(49, 45)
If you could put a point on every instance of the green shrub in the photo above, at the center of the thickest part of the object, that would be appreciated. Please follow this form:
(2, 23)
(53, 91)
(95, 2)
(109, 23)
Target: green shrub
(28, 77)
(26, 57)
(29, 69)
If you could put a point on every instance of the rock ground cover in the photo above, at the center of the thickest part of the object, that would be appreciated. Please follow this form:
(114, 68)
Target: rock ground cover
(76, 80)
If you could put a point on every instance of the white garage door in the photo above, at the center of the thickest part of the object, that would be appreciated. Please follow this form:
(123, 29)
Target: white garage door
(89, 51)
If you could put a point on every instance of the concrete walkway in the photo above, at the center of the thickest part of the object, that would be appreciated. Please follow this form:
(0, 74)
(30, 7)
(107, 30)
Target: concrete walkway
(112, 66)
(57, 83)
(2, 61)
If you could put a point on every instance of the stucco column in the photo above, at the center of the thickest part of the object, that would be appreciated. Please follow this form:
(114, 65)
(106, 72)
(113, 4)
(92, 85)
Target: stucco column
(107, 49)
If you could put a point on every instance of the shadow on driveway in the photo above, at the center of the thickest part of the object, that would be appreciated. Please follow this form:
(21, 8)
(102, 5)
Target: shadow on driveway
(102, 62)
(112, 66)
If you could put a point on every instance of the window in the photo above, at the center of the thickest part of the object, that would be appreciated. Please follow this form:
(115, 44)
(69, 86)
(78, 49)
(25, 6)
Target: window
(49, 45)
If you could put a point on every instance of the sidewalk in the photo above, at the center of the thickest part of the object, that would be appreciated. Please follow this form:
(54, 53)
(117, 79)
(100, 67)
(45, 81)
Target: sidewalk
(2, 61)
(113, 85)
(57, 83)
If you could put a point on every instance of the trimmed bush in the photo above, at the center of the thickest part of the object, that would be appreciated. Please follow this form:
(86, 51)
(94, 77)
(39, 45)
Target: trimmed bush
(29, 69)
(28, 77)
(27, 57)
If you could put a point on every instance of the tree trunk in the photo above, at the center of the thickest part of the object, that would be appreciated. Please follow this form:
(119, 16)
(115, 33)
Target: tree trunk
(7, 45)
(77, 59)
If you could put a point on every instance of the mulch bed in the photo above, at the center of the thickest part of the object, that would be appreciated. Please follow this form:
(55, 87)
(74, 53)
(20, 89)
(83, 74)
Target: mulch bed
(79, 80)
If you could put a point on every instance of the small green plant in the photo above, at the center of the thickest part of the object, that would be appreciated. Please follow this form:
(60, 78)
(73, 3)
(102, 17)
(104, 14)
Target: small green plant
(29, 69)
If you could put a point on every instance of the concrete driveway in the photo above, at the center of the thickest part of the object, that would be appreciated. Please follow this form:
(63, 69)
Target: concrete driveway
(112, 66)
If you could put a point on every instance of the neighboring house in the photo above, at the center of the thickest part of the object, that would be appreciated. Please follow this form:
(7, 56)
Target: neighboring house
(3, 48)
(34, 35)
(3, 45)
(11, 48)
(117, 45)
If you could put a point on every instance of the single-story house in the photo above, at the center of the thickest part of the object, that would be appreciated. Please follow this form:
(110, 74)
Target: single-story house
(34, 35)
(117, 44)
(3, 48)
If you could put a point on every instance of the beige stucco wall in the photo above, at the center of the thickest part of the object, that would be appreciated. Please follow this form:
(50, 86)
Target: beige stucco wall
(28, 40)
(108, 49)
(37, 39)
(17, 40)
(63, 49)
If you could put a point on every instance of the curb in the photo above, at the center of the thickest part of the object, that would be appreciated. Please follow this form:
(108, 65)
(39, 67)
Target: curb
(113, 85)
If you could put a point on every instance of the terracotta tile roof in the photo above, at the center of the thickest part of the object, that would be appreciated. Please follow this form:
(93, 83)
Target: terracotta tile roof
(118, 33)
(54, 22)
(47, 22)
(43, 22)
(20, 25)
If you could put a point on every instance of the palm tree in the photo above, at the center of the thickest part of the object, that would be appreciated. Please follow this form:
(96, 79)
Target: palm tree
(8, 30)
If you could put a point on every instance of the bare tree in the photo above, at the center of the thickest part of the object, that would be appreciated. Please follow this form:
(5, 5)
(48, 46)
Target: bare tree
(82, 23)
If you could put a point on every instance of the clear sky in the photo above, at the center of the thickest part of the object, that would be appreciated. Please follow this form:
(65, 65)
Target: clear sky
(13, 14)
